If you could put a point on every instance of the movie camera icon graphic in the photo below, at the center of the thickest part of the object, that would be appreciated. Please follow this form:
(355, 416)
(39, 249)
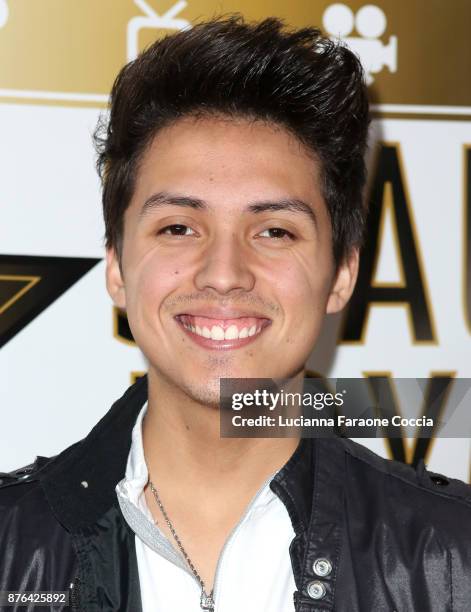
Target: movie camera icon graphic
(151, 19)
(370, 22)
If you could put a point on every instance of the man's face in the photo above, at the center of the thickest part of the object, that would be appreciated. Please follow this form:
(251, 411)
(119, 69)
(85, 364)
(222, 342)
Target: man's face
(227, 266)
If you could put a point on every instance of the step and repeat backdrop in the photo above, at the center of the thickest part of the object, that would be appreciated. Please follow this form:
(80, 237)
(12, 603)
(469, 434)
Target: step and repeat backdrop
(66, 353)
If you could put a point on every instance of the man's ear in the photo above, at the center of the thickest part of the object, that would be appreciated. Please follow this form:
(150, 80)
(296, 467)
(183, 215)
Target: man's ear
(344, 282)
(114, 279)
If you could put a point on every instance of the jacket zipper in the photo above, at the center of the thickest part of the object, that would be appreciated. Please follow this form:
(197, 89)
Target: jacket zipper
(231, 536)
(229, 540)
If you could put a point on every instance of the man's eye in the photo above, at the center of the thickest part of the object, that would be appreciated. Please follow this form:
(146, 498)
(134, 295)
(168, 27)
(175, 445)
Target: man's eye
(176, 229)
(277, 232)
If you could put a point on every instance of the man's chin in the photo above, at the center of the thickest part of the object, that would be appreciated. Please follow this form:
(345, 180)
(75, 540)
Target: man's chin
(208, 394)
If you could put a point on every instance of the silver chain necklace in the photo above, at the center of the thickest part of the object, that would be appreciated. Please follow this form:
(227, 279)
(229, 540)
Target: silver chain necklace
(206, 601)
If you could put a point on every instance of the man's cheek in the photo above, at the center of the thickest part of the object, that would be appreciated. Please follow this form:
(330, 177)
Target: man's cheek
(295, 286)
(305, 300)
(159, 280)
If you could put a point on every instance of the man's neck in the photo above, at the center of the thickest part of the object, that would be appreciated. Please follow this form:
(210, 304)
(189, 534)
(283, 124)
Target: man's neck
(182, 441)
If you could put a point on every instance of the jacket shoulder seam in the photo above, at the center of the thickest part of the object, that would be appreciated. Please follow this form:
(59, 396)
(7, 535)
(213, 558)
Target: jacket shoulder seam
(26, 473)
(385, 469)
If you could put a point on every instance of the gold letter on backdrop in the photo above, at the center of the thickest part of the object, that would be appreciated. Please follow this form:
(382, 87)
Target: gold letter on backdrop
(389, 191)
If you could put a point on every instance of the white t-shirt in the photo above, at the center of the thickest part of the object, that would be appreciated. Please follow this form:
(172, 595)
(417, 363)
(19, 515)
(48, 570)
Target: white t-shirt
(254, 570)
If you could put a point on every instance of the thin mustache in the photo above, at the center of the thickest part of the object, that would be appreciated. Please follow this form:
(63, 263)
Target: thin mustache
(209, 301)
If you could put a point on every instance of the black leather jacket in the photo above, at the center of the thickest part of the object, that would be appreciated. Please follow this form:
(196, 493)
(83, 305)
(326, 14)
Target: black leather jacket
(396, 539)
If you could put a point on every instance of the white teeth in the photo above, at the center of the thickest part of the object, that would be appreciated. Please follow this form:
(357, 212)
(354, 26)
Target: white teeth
(217, 333)
(231, 332)
(244, 332)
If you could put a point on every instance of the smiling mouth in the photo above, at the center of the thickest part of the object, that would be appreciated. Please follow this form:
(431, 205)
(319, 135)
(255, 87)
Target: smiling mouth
(228, 332)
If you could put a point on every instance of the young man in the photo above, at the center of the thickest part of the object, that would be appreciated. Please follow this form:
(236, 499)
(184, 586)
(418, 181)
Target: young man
(233, 170)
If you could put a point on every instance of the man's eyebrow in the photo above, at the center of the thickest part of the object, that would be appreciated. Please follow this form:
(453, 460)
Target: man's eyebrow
(289, 204)
(163, 198)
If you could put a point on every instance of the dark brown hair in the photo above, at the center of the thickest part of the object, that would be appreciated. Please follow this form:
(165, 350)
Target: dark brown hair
(298, 79)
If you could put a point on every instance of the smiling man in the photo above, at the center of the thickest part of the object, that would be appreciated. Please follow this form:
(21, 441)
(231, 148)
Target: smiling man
(233, 170)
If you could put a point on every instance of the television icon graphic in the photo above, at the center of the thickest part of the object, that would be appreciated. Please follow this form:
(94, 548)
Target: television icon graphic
(151, 19)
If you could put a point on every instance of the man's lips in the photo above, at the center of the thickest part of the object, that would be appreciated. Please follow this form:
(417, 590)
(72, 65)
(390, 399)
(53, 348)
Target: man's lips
(222, 332)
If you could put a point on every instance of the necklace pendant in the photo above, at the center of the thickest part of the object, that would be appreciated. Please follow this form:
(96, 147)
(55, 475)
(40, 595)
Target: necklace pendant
(206, 601)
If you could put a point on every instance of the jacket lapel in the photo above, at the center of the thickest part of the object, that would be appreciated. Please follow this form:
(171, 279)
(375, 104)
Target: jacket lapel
(311, 485)
(79, 485)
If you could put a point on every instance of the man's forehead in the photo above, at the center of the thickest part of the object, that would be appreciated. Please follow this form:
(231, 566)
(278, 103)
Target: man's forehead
(215, 132)
(225, 147)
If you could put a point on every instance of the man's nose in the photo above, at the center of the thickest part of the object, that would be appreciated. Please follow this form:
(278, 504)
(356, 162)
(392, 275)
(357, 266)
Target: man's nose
(225, 266)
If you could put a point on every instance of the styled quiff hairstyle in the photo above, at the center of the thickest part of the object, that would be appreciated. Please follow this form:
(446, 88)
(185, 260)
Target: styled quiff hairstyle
(298, 79)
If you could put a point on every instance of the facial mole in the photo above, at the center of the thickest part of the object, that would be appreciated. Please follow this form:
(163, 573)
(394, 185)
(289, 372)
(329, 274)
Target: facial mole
(176, 272)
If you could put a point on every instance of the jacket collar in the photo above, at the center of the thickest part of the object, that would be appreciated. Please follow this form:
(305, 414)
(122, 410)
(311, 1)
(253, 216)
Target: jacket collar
(79, 483)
